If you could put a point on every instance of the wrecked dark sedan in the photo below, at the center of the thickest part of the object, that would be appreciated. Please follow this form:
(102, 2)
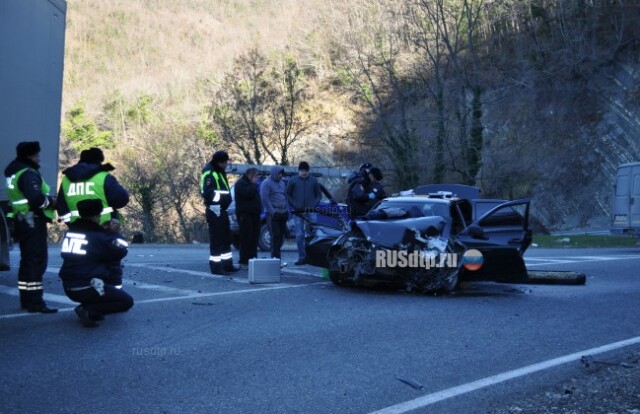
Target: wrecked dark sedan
(427, 241)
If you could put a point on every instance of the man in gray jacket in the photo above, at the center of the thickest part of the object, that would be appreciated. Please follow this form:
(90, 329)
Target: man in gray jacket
(303, 192)
(275, 206)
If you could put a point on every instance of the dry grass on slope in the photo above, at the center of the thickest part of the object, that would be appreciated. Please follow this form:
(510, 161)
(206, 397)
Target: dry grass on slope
(169, 49)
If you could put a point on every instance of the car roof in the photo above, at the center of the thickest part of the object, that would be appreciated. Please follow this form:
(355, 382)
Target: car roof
(420, 199)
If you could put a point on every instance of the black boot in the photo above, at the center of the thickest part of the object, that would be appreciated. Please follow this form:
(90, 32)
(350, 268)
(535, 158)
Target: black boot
(217, 269)
(40, 308)
(227, 266)
(83, 315)
(32, 301)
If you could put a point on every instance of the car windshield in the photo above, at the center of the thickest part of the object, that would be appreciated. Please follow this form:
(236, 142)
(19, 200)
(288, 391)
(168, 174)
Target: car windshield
(417, 208)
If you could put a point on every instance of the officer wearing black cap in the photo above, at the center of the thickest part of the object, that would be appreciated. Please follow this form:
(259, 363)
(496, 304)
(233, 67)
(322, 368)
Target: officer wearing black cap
(214, 189)
(358, 194)
(88, 252)
(91, 179)
(31, 209)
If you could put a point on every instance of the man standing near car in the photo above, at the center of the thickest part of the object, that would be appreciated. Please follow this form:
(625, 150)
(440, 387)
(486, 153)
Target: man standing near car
(248, 209)
(376, 189)
(365, 192)
(274, 201)
(214, 189)
(303, 192)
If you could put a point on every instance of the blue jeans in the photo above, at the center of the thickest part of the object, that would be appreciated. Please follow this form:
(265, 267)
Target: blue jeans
(300, 237)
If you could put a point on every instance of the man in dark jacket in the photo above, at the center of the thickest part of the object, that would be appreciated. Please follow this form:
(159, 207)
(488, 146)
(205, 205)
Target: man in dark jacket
(31, 209)
(274, 200)
(376, 188)
(88, 252)
(365, 192)
(303, 193)
(248, 209)
(214, 189)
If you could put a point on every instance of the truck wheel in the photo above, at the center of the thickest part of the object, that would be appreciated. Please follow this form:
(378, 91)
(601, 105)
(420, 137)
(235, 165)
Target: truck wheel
(264, 241)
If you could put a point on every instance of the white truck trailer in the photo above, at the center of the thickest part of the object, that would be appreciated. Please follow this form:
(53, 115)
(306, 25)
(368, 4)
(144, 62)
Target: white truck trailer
(32, 34)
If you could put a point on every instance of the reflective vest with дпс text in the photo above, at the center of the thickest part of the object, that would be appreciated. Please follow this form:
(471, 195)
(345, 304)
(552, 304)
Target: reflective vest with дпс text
(75, 192)
(219, 190)
(19, 204)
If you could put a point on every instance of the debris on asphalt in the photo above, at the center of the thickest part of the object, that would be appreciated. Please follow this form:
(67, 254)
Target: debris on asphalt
(414, 384)
(602, 388)
(202, 303)
(588, 360)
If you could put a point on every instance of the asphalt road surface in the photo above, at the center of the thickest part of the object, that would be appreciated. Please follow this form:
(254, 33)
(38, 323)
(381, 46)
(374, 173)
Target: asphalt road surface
(194, 343)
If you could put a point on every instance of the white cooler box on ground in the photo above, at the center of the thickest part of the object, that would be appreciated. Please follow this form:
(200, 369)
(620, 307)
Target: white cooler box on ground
(264, 270)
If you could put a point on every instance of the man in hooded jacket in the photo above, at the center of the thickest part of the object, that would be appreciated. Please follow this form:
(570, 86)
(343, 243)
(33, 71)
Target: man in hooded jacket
(31, 209)
(274, 201)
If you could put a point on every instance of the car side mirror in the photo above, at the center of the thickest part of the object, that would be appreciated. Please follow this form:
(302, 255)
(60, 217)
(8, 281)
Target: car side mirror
(476, 232)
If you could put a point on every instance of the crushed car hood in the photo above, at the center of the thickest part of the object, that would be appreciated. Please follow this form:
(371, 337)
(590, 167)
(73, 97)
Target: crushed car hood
(391, 233)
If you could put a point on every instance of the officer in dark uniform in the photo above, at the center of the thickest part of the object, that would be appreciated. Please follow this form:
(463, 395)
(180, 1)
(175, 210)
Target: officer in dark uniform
(88, 251)
(214, 189)
(91, 179)
(31, 209)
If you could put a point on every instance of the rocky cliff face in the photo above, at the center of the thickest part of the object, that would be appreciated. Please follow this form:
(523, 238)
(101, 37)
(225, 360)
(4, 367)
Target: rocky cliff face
(560, 143)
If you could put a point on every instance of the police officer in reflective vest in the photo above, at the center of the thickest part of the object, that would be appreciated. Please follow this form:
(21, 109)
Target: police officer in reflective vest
(90, 179)
(89, 250)
(214, 188)
(31, 209)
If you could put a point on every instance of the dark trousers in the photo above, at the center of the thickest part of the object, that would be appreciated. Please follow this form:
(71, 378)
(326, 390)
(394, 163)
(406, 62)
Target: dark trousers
(277, 228)
(113, 301)
(32, 237)
(249, 235)
(219, 241)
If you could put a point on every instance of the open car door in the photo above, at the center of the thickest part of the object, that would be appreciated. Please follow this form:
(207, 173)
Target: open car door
(323, 227)
(502, 235)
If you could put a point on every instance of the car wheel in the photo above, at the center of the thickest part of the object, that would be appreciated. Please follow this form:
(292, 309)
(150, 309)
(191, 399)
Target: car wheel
(264, 241)
(337, 279)
(337, 256)
(451, 282)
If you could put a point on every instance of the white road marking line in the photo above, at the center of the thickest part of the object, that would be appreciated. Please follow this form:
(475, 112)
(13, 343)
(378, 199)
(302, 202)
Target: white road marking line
(158, 288)
(300, 272)
(591, 258)
(189, 272)
(540, 259)
(47, 296)
(526, 262)
(587, 259)
(174, 298)
(435, 397)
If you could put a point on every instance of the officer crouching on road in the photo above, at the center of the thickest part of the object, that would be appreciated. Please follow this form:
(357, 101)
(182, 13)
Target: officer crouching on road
(31, 210)
(89, 251)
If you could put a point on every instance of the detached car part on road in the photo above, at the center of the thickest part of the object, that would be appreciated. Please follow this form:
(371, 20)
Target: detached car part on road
(432, 222)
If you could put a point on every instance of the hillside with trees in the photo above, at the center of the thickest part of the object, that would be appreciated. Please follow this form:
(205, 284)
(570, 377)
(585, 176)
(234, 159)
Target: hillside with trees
(538, 98)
